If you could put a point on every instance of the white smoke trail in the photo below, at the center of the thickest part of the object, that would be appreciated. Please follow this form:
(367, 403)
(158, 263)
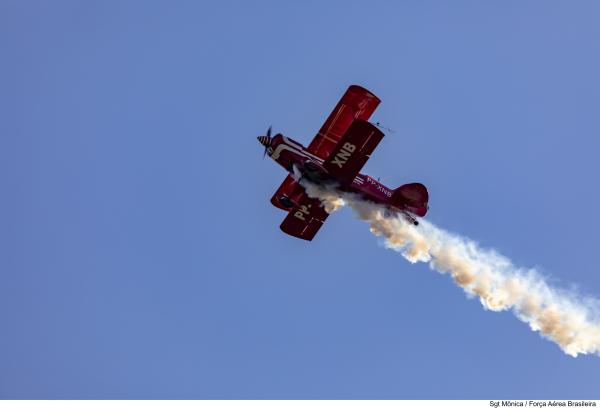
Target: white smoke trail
(564, 317)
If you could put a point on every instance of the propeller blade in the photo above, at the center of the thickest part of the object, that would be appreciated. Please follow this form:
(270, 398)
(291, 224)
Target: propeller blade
(268, 144)
(266, 141)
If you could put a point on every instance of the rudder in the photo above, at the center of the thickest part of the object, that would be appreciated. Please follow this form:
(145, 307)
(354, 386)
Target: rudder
(413, 196)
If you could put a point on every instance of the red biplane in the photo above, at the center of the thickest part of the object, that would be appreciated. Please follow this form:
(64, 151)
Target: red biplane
(336, 155)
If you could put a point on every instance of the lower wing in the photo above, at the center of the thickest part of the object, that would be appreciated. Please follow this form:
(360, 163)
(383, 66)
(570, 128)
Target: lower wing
(305, 219)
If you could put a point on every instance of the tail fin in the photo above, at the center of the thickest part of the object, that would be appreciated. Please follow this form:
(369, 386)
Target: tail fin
(413, 197)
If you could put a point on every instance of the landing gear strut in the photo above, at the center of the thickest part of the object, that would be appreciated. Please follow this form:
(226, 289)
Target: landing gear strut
(286, 201)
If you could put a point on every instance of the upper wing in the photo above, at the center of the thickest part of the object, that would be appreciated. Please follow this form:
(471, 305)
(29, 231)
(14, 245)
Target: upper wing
(357, 103)
(352, 151)
(304, 220)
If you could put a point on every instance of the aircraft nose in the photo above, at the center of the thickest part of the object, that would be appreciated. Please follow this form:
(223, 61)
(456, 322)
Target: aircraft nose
(263, 140)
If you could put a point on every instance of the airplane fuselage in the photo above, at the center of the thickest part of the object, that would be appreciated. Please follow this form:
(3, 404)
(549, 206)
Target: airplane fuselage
(334, 158)
(289, 154)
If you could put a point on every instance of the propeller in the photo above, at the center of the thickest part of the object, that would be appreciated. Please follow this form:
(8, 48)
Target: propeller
(265, 141)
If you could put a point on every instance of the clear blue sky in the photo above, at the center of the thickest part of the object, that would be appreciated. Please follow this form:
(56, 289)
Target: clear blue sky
(140, 257)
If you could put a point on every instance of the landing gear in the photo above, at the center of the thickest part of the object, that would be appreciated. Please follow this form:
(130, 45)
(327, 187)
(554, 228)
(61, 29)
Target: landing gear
(286, 202)
(410, 218)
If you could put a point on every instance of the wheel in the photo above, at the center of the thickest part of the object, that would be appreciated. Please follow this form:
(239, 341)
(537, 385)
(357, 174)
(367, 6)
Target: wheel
(286, 202)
